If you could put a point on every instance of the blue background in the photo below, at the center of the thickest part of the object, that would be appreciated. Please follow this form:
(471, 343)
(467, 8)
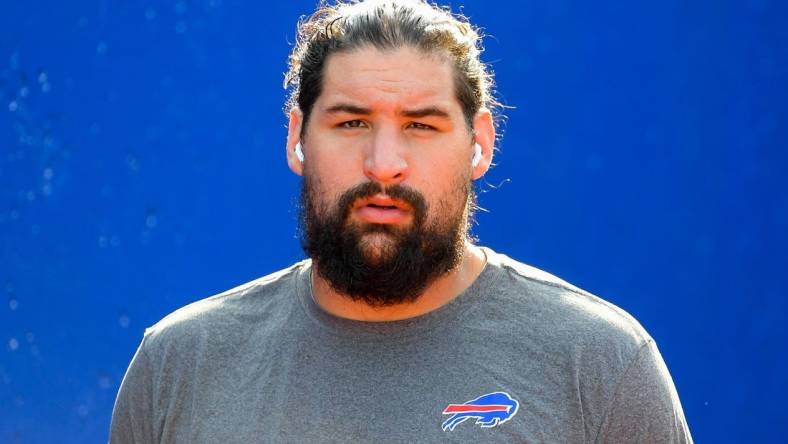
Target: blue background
(142, 167)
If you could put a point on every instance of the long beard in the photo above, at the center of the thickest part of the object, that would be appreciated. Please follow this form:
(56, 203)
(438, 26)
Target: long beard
(383, 265)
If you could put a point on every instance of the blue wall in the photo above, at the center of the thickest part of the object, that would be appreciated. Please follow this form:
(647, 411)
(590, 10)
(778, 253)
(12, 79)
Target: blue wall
(142, 167)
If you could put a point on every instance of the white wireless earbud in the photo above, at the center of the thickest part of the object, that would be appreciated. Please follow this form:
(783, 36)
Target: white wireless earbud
(477, 155)
(299, 152)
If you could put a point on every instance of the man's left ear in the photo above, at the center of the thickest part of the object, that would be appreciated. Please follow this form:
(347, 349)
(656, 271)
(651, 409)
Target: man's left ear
(484, 136)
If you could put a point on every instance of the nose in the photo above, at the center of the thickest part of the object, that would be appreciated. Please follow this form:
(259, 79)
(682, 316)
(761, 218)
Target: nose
(384, 161)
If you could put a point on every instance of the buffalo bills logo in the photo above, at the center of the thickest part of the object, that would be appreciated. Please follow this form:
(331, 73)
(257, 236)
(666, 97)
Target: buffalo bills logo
(489, 410)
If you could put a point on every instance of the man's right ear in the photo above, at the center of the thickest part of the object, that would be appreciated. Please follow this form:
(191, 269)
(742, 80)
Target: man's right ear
(295, 163)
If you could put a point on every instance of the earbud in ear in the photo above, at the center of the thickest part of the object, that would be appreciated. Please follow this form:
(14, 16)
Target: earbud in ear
(299, 152)
(477, 155)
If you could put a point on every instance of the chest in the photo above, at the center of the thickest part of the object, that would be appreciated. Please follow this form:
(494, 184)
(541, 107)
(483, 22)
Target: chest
(336, 390)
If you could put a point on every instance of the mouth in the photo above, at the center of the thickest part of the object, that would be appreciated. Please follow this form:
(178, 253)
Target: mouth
(382, 209)
(385, 207)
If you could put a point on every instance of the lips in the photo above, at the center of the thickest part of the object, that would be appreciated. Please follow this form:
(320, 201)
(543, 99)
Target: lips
(382, 209)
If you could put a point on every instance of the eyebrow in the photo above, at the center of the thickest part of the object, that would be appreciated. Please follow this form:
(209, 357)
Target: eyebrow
(347, 108)
(429, 111)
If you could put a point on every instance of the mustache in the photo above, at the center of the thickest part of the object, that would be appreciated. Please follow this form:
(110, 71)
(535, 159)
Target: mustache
(397, 192)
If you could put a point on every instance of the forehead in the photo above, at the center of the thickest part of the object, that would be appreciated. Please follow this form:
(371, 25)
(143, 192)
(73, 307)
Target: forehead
(391, 78)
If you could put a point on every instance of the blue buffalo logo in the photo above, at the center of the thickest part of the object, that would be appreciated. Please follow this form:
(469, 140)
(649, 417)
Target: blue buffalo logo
(489, 410)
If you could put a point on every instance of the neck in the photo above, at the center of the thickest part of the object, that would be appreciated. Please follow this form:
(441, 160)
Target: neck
(438, 293)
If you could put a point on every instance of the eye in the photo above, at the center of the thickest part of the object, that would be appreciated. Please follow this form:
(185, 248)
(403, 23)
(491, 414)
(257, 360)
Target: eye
(420, 126)
(353, 124)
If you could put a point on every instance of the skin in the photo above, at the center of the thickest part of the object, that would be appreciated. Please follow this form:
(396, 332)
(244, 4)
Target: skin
(392, 117)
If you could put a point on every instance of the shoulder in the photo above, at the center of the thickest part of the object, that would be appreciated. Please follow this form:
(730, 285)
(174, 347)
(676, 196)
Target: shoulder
(566, 313)
(216, 314)
(615, 367)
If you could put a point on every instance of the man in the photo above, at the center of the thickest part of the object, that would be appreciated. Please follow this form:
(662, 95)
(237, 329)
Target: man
(398, 328)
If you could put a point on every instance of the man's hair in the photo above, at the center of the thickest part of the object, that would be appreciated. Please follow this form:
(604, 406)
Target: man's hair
(387, 24)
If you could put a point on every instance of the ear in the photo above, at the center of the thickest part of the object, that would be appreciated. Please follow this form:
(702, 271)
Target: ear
(293, 137)
(484, 135)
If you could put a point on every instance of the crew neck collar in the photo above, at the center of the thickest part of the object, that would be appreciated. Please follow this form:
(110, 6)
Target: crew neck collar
(443, 316)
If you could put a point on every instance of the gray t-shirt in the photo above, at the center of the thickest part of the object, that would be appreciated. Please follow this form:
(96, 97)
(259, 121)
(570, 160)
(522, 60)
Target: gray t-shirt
(520, 356)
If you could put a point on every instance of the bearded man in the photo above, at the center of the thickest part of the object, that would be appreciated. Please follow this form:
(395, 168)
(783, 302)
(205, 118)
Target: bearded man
(397, 328)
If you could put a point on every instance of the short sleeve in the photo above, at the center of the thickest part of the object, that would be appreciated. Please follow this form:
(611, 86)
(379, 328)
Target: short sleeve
(645, 407)
(132, 416)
